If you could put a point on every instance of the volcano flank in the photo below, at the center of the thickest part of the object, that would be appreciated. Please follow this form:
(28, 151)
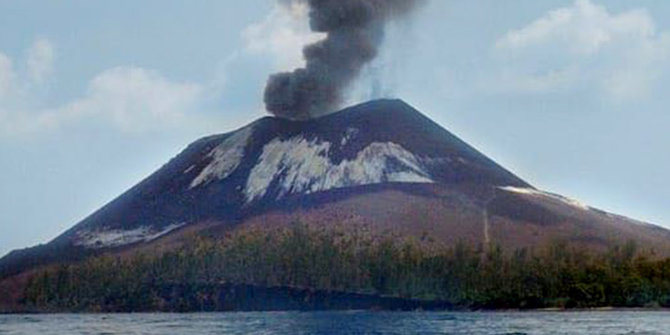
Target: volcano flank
(381, 165)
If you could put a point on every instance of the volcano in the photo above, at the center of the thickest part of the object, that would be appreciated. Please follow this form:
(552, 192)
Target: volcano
(380, 165)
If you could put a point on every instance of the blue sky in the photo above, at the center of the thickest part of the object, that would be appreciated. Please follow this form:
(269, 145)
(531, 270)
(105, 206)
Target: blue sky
(96, 95)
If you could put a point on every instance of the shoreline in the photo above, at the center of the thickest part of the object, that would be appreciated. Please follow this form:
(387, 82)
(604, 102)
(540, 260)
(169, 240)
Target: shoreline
(374, 310)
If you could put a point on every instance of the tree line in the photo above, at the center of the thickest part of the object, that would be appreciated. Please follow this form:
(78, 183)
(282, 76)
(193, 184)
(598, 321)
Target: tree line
(190, 278)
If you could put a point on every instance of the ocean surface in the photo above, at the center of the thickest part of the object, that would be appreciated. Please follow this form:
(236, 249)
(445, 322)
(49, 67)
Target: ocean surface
(355, 322)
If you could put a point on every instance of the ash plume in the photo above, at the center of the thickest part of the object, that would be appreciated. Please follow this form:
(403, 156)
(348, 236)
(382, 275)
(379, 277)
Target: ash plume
(354, 32)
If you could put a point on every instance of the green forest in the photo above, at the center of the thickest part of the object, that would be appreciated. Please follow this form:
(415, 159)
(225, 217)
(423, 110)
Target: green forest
(190, 278)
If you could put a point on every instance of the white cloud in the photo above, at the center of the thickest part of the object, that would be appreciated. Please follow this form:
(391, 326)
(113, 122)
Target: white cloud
(129, 99)
(136, 99)
(40, 59)
(584, 28)
(282, 34)
(583, 47)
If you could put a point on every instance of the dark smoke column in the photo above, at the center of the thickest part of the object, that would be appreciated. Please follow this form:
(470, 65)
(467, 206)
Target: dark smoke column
(355, 29)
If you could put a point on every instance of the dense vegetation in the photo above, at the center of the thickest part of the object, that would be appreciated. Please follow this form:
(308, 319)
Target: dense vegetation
(303, 257)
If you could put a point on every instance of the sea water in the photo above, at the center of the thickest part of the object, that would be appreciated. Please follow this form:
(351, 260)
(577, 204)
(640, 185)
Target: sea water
(353, 322)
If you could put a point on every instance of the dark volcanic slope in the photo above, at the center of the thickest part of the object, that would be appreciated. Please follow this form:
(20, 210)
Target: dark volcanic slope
(383, 163)
(168, 196)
